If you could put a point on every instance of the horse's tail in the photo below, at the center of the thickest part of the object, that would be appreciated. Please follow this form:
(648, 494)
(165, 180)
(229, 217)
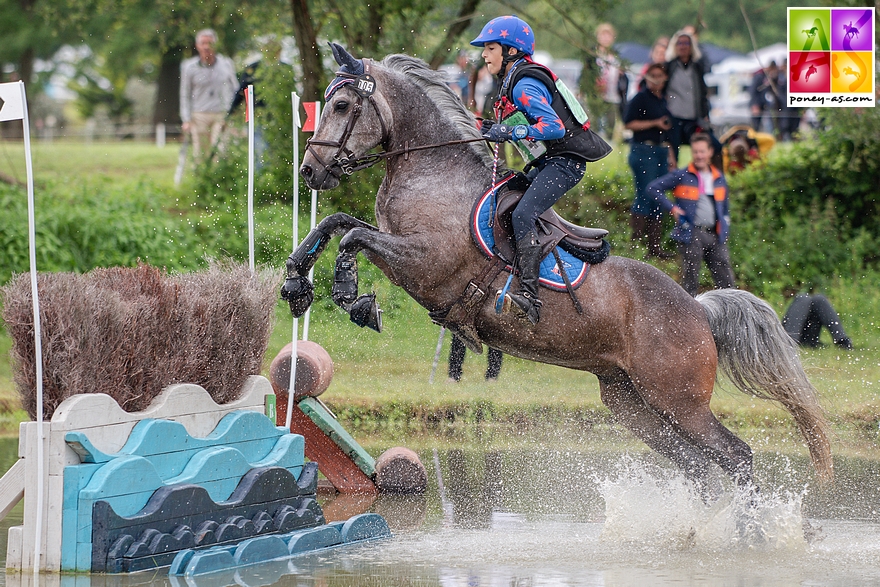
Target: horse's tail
(761, 359)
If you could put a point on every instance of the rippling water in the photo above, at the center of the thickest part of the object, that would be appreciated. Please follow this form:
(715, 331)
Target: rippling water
(545, 517)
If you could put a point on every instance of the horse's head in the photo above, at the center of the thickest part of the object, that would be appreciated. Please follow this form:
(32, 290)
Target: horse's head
(355, 119)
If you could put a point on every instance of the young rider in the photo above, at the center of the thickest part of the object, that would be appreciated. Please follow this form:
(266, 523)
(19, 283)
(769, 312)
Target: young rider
(553, 128)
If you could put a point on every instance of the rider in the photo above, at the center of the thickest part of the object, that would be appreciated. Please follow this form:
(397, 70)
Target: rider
(534, 106)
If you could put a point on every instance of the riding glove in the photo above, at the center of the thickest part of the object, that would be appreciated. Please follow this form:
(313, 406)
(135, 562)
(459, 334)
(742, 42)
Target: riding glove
(500, 133)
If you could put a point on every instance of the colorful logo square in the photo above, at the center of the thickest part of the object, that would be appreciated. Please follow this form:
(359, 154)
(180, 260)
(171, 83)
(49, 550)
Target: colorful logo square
(809, 29)
(809, 72)
(852, 29)
(851, 71)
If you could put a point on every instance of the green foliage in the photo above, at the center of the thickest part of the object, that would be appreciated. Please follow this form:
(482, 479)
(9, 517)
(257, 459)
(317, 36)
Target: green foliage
(94, 89)
(810, 213)
(87, 228)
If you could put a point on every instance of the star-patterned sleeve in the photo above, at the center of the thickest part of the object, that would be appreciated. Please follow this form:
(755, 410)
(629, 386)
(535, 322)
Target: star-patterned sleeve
(534, 98)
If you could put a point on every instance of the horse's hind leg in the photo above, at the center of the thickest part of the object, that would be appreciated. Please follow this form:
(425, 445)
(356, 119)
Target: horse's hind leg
(685, 406)
(620, 395)
(721, 445)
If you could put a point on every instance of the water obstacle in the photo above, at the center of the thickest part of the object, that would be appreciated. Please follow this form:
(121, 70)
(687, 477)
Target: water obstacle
(186, 484)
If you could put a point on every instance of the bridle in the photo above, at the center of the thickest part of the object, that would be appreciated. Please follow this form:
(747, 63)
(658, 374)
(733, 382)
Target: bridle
(342, 160)
(364, 86)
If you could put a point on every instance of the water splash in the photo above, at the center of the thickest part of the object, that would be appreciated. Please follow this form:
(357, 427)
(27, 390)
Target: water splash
(652, 506)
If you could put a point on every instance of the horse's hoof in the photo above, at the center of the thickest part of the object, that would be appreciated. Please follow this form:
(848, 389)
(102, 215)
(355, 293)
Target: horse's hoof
(365, 312)
(299, 293)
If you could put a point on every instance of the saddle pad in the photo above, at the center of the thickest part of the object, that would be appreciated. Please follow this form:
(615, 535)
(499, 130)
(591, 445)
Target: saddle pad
(551, 273)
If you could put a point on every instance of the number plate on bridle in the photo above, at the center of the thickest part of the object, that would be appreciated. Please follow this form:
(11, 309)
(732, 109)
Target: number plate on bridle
(365, 85)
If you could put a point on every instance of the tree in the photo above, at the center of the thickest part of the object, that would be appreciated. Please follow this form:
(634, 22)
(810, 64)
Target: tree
(306, 36)
(26, 36)
(150, 38)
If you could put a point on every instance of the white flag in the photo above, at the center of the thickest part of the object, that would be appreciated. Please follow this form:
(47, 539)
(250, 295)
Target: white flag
(294, 98)
(11, 101)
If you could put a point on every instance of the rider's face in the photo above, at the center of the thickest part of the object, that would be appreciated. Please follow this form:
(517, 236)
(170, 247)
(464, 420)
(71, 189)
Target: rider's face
(493, 54)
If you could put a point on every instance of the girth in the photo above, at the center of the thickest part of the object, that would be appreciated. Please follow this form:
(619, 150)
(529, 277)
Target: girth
(460, 317)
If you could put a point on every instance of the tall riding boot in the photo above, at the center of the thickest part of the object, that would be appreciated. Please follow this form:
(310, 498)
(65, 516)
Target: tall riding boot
(654, 229)
(528, 260)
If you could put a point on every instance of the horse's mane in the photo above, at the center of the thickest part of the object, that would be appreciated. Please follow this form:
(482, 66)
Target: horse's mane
(439, 92)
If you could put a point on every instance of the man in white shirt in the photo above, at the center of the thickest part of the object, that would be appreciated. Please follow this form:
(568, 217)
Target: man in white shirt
(208, 83)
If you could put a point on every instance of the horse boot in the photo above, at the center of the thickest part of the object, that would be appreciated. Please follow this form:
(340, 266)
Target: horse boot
(528, 259)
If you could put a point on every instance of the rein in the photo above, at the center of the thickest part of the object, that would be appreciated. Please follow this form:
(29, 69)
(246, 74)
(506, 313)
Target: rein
(364, 87)
(373, 158)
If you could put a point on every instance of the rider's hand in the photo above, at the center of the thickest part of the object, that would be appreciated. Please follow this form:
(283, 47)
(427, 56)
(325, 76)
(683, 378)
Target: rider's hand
(500, 133)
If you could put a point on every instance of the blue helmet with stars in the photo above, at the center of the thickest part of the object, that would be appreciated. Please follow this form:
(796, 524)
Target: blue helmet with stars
(511, 31)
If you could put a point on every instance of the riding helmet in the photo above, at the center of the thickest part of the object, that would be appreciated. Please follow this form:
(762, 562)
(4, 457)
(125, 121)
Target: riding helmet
(511, 31)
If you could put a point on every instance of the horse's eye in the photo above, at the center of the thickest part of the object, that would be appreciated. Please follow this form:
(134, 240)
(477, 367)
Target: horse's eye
(340, 106)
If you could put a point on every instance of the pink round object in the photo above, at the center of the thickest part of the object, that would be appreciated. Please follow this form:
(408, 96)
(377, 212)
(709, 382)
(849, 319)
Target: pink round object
(399, 471)
(314, 370)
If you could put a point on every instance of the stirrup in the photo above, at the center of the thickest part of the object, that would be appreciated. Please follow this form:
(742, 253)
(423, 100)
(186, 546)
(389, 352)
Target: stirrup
(527, 307)
(502, 301)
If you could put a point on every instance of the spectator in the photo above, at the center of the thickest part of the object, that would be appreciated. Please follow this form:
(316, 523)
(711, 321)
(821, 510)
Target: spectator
(701, 210)
(805, 318)
(764, 97)
(456, 361)
(207, 85)
(743, 146)
(253, 75)
(657, 55)
(686, 94)
(650, 156)
(485, 89)
(695, 36)
(789, 116)
(461, 81)
(612, 81)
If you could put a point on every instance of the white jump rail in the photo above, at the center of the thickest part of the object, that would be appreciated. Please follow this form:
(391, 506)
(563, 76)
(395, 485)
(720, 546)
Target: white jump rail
(107, 427)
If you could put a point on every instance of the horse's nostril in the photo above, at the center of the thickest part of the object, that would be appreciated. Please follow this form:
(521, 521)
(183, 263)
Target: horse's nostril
(305, 171)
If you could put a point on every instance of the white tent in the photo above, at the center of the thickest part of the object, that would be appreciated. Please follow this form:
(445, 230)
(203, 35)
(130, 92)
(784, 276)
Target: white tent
(754, 61)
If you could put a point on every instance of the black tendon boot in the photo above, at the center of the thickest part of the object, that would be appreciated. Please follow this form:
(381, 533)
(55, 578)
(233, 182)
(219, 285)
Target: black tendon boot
(528, 259)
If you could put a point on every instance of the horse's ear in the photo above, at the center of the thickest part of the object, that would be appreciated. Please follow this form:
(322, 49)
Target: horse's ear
(345, 59)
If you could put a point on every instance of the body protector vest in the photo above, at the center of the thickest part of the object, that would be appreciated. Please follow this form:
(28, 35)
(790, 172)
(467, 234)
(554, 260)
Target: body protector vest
(579, 140)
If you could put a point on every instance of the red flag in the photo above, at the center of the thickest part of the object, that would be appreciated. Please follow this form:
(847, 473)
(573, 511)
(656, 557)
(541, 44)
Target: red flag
(247, 111)
(311, 109)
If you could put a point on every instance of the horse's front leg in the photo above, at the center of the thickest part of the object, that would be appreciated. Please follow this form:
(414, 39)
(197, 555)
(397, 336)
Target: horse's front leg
(297, 289)
(362, 310)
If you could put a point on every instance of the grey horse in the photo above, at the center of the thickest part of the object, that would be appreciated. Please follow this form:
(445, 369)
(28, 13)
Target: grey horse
(654, 348)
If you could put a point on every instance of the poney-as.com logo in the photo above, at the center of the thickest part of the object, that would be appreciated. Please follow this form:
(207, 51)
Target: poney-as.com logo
(831, 57)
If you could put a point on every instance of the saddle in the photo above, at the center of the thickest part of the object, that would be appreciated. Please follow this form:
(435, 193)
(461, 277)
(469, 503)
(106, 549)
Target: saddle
(583, 243)
(493, 234)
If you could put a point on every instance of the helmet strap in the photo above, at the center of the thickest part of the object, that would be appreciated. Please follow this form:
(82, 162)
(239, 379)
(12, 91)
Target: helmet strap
(508, 58)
